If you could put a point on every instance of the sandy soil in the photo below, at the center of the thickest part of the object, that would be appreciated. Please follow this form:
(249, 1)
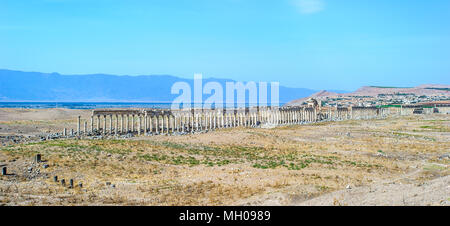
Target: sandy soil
(29, 122)
(397, 161)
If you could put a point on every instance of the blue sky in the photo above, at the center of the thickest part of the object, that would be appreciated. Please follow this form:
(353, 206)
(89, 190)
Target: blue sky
(318, 44)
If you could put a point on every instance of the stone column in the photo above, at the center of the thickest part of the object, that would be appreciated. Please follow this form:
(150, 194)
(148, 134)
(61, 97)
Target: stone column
(150, 124)
(304, 118)
(177, 123)
(132, 123)
(173, 123)
(233, 124)
(121, 123)
(196, 122)
(128, 123)
(140, 124)
(277, 117)
(79, 126)
(162, 124)
(104, 124)
(226, 118)
(201, 121)
(205, 121)
(110, 124)
(92, 123)
(185, 123)
(167, 123)
(211, 120)
(98, 123)
(167, 118)
(145, 123)
(182, 121)
(157, 124)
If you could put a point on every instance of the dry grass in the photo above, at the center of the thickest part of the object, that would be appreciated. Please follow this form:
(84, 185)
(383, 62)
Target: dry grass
(228, 166)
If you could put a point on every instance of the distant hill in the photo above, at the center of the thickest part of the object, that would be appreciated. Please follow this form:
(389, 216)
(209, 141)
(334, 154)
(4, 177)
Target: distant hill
(36, 86)
(322, 93)
(434, 89)
(428, 89)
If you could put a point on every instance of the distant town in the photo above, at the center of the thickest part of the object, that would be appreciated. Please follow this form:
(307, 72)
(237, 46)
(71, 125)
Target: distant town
(382, 96)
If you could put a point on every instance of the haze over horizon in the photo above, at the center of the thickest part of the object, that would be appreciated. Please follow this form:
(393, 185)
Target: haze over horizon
(315, 44)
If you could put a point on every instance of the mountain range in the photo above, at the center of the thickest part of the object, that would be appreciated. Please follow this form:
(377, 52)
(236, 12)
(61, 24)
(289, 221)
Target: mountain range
(36, 86)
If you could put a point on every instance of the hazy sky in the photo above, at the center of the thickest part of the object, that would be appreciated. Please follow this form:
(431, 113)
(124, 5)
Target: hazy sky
(319, 44)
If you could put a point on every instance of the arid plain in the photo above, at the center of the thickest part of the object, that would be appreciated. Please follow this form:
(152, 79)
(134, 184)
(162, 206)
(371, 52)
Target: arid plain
(394, 161)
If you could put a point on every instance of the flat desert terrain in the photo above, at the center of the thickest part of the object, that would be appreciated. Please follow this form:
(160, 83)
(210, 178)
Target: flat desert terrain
(395, 161)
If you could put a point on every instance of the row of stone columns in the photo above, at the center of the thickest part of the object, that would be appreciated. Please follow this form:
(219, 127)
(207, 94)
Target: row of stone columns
(196, 121)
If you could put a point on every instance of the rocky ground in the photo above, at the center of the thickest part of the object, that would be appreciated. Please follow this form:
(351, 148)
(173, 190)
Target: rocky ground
(397, 161)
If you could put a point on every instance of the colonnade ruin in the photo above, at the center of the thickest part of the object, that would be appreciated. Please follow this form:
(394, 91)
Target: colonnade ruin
(164, 121)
